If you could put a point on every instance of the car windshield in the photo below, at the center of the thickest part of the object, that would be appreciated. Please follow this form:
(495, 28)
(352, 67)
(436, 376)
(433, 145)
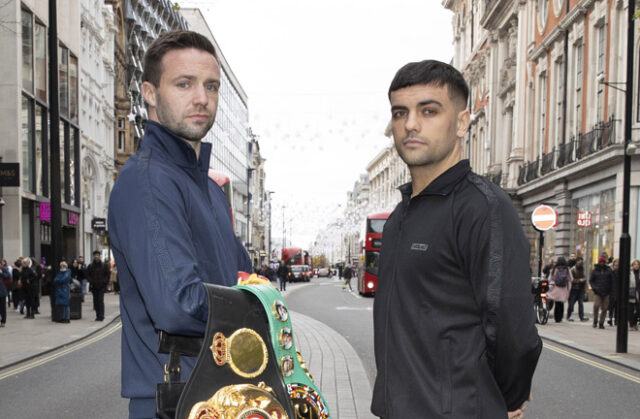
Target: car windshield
(297, 268)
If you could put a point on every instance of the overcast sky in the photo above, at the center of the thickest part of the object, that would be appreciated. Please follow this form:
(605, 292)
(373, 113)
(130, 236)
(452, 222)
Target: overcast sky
(316, 74)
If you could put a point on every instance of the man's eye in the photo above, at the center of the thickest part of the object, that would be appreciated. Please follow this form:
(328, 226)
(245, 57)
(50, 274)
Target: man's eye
(398, 114)
(428, 111)
(212, 87)
(183, 85)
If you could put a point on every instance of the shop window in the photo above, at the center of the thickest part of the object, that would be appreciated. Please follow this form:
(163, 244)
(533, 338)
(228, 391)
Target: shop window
(27, 144)
(73, 88)
(63, 80)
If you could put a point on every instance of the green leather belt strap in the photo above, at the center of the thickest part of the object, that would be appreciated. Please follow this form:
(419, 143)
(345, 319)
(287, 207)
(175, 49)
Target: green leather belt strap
(299, 383)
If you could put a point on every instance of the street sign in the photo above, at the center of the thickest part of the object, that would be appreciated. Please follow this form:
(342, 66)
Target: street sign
(544, 218)
(9, 174)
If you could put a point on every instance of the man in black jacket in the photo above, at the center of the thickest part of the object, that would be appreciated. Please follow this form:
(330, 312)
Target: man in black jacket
(601, 280)
(98, 276)
(454, 329)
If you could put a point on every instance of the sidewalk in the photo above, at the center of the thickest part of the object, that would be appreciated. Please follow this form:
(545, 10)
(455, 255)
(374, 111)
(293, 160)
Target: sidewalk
(597, 342)
(23, 339)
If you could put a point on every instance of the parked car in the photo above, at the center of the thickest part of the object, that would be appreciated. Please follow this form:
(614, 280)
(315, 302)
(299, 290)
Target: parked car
(324, 272)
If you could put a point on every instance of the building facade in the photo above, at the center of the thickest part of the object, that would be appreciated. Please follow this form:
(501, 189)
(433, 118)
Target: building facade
(97, 119)
(258, 243)
(230, 134)
(25, 117)
(547, 118)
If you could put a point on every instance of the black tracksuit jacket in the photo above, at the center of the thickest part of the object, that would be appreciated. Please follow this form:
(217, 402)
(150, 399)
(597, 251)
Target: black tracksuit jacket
(455, 333)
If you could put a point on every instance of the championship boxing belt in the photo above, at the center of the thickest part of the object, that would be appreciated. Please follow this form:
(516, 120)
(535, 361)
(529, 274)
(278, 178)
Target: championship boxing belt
(306, 399)
(237, 374)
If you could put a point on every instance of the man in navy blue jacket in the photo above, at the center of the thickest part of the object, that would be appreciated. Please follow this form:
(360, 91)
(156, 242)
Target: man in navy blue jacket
(169, 225)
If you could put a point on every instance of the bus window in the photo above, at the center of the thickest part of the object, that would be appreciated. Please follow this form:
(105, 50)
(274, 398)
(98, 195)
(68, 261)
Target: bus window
(371, 263)
(376, 226)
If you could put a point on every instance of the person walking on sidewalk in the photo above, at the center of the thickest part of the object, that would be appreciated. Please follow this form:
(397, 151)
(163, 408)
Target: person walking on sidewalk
(61, 285)
(30, 286)
(82, 275)
(454, 333)
(601, 281)
(283, 275)
(560, 280)
(169, 223)
(4, 294)
(17, 293)
(578, 286)
(98, 277)
(634, 294)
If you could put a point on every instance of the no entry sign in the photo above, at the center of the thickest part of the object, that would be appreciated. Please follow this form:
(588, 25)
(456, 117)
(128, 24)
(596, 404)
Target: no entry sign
(544, 218)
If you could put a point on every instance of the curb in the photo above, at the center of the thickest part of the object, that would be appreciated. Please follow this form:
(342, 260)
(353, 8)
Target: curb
(109, 320)
(627, 363)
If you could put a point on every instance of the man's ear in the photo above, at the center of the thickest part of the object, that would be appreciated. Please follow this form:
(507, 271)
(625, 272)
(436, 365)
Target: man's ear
(149, 93)
(462, 122)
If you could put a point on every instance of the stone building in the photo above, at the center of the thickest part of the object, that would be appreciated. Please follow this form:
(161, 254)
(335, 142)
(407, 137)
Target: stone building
(25, 115)
(547, 113)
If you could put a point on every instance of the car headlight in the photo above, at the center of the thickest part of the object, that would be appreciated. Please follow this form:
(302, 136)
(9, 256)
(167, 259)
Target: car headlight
(369, 285)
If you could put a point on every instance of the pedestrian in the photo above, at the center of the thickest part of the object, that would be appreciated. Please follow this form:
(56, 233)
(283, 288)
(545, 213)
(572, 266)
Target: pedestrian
(4, 294)
(82, 267)
(114, 278)
(454, 332)
(6, 276)
(61, 284)
(29, 280)
(634, 294)
(548, 267)
(98, 276)
(347, 273)
(17, 293)
(560, 280)
(169, 224)
(601, 281)
(613, 297)
(283, 275)
(578, 288)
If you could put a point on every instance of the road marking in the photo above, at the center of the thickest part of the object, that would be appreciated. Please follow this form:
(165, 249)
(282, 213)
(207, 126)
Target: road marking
(74, 347)
(593, 363)
(353, 308)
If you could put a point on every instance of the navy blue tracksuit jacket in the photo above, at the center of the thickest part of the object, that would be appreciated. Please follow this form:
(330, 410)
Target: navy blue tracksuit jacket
(170, 231)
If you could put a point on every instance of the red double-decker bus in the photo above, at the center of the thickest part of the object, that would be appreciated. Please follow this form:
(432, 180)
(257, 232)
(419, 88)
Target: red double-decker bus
(300, 259)
(368, 274)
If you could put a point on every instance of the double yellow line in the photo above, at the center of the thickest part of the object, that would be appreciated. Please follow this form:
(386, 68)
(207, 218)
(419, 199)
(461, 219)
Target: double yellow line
(57, 354)
(593, 363)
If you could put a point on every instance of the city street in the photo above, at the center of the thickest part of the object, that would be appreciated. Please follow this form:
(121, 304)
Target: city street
(82, 380)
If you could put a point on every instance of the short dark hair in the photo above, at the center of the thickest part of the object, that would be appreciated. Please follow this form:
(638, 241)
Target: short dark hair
(432, 72)
(168, 41)
(96, 252)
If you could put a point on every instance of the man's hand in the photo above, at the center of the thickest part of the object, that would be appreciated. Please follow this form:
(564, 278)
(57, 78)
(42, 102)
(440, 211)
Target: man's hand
(519, 413)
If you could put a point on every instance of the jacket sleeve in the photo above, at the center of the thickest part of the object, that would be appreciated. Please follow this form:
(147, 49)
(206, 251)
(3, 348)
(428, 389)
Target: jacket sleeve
(149, 226)
(497, 254)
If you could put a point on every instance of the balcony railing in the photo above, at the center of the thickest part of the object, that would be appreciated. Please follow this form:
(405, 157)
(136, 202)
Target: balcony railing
(600, 137)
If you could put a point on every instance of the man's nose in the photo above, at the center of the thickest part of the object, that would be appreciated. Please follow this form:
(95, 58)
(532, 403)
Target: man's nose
(200, 96)
(412, 123)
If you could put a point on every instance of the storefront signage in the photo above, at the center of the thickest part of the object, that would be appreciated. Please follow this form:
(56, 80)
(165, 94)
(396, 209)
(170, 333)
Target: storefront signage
(9, 174)
(72, 218)
(544, 218)
(584, 219)
(45, 211)
(99, 223)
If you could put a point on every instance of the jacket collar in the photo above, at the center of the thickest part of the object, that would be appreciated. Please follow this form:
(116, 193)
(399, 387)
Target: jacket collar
(443, 184)
(157, 136)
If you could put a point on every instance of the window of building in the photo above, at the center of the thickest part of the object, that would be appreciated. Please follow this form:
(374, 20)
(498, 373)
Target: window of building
(121, 140)
(63, 79)
(560, 65)
(601, 36)
(543, 112)
(73, 88)
(638, 92)
(578, 88)
(27, 144)
(27, 51)
(543, 14)
(40, 62)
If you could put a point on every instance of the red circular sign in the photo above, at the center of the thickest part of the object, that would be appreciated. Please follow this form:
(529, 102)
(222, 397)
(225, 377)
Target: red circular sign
(544, 218)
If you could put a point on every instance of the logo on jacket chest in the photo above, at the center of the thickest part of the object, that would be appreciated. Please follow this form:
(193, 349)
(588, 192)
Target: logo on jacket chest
(421, 247)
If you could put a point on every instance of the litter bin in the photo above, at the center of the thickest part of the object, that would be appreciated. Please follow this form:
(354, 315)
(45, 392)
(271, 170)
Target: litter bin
(75, 305)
